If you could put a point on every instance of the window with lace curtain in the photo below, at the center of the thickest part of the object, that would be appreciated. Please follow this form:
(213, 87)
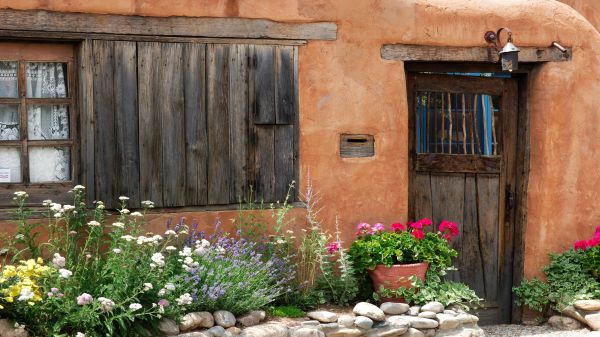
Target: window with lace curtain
(36, 128)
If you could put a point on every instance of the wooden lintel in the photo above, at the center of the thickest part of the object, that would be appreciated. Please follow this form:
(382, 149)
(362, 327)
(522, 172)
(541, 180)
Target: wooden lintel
(199, 27)
(406, 52)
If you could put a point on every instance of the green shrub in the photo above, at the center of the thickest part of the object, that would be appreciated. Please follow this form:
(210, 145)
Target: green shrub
(567, 281)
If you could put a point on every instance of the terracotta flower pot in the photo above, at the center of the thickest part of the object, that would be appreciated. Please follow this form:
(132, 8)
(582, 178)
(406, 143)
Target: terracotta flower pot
(397, 276)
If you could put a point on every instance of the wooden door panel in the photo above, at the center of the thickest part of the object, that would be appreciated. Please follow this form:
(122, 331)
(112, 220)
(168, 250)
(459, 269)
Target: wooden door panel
(449, 180)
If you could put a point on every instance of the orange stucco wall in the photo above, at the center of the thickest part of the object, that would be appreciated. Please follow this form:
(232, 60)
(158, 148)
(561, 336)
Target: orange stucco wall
(345, 86)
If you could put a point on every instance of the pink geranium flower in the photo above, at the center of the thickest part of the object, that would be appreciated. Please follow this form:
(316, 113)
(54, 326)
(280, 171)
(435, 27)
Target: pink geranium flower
(333, 247)
(378, 227)
(363, 228)
(416, 225)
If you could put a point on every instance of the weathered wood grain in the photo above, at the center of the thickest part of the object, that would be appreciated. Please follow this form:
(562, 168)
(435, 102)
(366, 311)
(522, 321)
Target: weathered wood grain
(170, 93)
(457, 163)
(76, 37)
(41, 20)
(357, 146)
(86, 108)
(150, 132)
(285, 91)
(238, 122)
(422, 196)
(403, 52)
(487, 198)
(218, 123)
(196, 152)
(469, 261)
(262, 94)
(264, 162)
(105, 168)
(126, 122)
(283, 160)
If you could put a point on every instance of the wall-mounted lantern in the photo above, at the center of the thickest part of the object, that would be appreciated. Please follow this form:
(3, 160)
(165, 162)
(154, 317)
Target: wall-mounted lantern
(509, 54)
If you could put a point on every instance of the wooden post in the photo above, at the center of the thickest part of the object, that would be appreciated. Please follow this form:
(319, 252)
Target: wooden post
(464, 125)
(450, 121)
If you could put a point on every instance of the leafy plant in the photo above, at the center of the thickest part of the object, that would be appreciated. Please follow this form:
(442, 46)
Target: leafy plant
(337, 282)
(534, 294)
(570, 277)
(286, 311)
(100, 279)
(376, 246)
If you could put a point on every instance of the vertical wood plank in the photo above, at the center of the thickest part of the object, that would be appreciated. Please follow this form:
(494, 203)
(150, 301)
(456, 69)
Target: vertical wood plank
(150, 128)
(265, 162)
(218, 123)
(469, 262)
(297, 125)
(86, 106)
(171, 109)
(448, 195)
(106, 179)
(196, 152)
(285, 109)
(422, 196)
(126, 122)
(263, 94)
(487, 199)
(284, 160)
(238, 122)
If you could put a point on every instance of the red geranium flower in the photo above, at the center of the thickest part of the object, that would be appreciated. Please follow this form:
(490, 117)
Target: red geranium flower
(425, 222)
(580, 245)
(416, 225)
(450, 226)
(418, 234)
(398, 227)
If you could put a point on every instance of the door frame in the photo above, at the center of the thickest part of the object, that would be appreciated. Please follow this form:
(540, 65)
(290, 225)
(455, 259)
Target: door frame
(514, 262)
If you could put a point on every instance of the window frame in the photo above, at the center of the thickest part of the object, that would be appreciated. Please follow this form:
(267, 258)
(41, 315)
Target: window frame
(37, 52)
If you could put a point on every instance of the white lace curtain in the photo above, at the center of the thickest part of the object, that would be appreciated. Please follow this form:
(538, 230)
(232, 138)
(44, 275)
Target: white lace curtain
(44, 122)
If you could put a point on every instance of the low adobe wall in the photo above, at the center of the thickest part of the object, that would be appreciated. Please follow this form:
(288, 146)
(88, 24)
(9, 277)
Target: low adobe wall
(345, 87)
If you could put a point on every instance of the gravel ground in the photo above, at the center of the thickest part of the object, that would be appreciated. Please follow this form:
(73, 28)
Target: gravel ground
(515, 330)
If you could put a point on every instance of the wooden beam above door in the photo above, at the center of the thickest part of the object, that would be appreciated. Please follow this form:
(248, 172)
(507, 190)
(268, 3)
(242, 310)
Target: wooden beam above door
(211, 27)
(408, 52)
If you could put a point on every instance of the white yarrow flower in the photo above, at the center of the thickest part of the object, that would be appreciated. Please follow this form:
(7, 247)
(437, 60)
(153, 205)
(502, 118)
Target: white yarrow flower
(80, 334)
(135, 306)
(148, 286)
(170, 232)
(78, 187)
(94, 223)
(170, 286)
(118, 225)
(47, 203)
(158, 259)
(137, 214)
(106, 304)
(64, 273)
(124, 211)
(58, 260)
(184, 299)
(123, 198)
(21, 194)
(148, 204)
(117, 251)
(170, 248)
(26, 294)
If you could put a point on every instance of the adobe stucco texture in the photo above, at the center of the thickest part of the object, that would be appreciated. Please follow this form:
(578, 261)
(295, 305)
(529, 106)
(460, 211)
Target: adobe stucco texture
(345, 86)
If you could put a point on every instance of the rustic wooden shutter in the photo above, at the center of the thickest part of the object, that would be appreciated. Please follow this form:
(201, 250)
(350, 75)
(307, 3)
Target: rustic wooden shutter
(186, 124)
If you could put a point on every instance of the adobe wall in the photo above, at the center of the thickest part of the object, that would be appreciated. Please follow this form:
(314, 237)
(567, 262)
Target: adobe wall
(345, 86)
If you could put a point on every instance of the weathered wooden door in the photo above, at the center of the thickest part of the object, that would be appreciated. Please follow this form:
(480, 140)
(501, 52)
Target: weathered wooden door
(463, 133)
